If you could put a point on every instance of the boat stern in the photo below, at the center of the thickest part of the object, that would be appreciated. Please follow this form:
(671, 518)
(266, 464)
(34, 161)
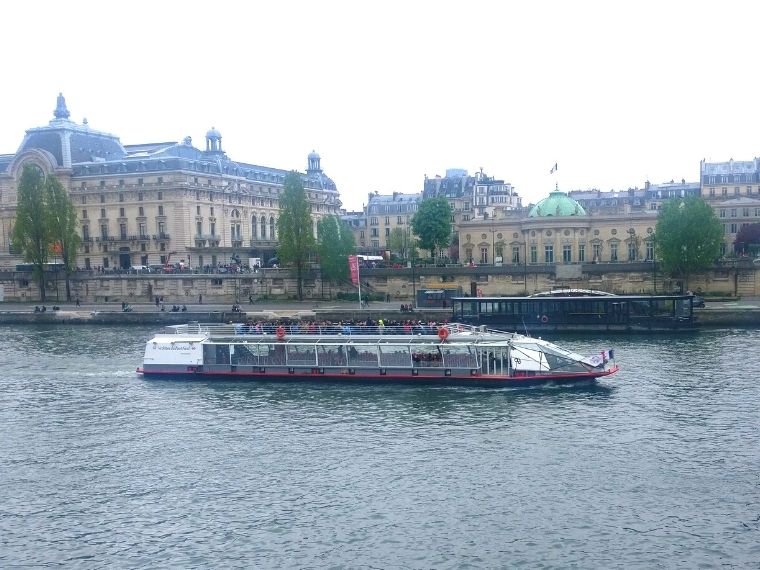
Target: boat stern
(167, 353)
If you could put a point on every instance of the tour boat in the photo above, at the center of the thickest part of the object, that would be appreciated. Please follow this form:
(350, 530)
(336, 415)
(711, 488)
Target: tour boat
(454, 354)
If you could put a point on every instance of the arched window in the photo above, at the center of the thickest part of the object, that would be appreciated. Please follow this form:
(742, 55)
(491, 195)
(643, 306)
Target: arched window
(272, 232)
(254, 230)
(263, 227)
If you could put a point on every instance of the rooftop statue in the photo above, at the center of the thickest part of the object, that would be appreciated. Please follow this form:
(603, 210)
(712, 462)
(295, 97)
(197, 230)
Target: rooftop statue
(61, 112)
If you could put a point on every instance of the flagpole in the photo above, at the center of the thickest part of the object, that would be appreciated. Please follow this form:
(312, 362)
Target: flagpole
(554, 172)
(359, 282)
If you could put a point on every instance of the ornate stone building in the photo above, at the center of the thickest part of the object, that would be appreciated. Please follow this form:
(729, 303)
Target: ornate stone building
(558, 230)
(153, 203)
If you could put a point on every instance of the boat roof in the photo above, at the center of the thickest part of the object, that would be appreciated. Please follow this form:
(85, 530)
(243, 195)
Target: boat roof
(574, 293)
(459, 335)
(606, 298)
(360, 335)
(168, 338)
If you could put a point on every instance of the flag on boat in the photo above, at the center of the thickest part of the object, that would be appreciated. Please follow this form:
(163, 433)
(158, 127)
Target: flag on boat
(595, 360)
(607, 355)
(353, 267)
(554, 169)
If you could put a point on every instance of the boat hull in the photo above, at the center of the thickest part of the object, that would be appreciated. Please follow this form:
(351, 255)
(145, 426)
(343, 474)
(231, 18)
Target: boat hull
(369, 377)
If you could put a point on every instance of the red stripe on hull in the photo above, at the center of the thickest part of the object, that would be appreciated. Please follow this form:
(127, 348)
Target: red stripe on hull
(314, 376)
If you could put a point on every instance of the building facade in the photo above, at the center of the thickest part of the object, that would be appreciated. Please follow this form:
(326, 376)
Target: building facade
(732, 188)
(559, 230)
(158, 203)
(388, 214)
(473, 196)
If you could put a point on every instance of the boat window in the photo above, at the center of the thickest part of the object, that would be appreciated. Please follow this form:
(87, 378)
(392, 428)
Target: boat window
(244, 354)
(301, 355)
(395, 355)
(459, 356)
(331, 355)
(272, 354)
(426, 356)
(359, 355)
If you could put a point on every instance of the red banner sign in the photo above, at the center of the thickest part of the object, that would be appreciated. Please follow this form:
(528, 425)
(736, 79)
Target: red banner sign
(353, 266)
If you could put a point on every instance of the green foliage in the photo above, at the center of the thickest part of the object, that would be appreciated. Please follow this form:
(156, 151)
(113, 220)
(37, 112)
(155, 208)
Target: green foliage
(402, 243)
(335, 243)
(31, 232)
(62, 221)
(294, 228)
(688, 236)
(432, 224)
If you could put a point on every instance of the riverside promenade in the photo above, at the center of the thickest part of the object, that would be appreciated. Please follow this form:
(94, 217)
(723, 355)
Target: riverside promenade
(148, 313)
(744, 312)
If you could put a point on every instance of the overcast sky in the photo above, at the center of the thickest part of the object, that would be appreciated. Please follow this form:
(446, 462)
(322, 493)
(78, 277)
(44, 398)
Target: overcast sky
(616, 93)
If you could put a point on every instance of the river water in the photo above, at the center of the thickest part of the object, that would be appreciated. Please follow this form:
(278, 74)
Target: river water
(657, 466)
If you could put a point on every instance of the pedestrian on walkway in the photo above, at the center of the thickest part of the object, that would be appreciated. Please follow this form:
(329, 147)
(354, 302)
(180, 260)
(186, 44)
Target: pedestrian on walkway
(200, 298)
(77, 300)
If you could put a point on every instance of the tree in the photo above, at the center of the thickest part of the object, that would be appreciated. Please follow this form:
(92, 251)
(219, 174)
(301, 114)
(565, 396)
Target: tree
(688, 236)
(401, 242)
(63, 227)
(294, 228)
(335, 242)
(747, 240)
(31, 232)
(432, 224)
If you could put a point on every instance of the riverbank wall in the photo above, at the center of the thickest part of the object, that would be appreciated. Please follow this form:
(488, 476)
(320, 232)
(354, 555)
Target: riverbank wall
(717, 317)
(398, 284)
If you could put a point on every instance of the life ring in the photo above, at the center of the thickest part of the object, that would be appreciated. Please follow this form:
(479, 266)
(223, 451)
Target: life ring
(544, 319)
(280, 332)
(443, 333)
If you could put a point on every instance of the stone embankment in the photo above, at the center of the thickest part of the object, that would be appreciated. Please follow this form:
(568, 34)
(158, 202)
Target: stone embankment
(740, 313)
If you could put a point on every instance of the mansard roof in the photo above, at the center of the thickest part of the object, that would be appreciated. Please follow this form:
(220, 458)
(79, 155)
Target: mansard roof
(731, 167)
(396, 197)
(71, 143)
(89, 152)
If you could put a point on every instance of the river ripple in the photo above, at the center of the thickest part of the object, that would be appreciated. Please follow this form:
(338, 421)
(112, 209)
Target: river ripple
(658, 466)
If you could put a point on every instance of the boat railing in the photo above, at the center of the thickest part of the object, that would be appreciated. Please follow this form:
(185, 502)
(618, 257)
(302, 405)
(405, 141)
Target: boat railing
(323, 329)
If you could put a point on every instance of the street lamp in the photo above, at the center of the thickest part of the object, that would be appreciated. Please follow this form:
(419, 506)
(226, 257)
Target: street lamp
(654, 266)
(493, 240)
(414, 285)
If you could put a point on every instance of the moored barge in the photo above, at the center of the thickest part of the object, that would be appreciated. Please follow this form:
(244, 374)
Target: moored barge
(563, 312)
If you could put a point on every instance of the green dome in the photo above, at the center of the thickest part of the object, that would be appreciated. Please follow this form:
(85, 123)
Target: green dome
(557, 204)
